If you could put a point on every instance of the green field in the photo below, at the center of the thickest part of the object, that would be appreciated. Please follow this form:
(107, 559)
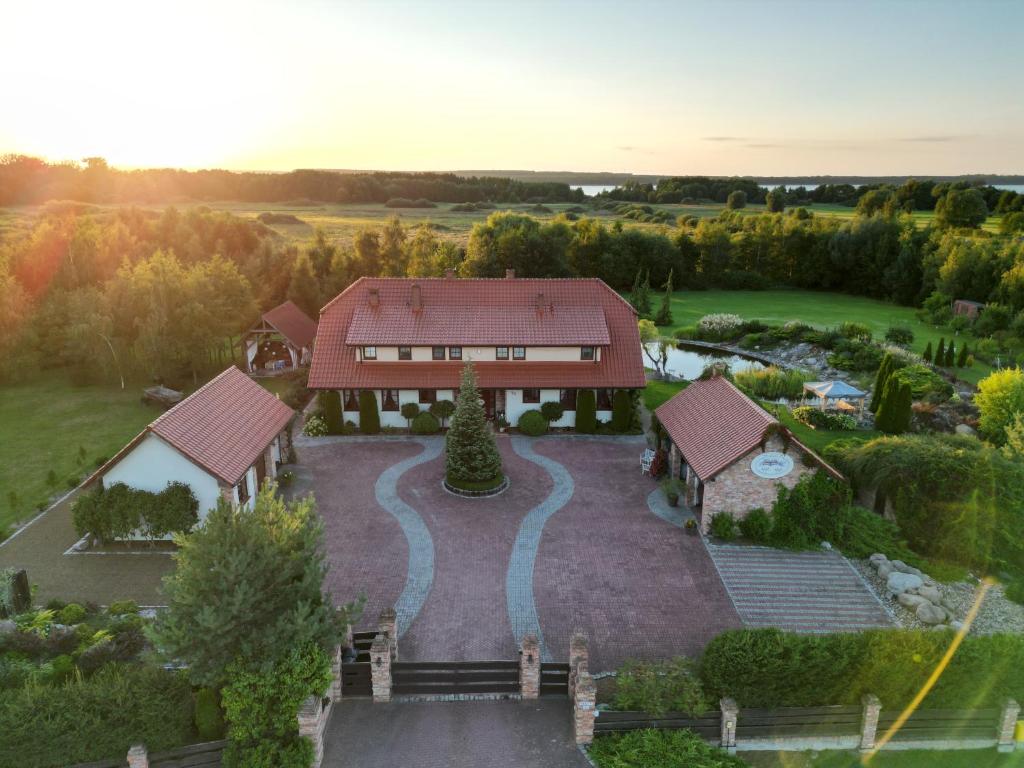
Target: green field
(49, 424)
(818, 309)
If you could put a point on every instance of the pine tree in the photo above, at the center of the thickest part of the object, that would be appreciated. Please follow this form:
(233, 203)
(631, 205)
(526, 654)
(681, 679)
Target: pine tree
(940, 353)
(664, 316)
(644, 299)
(894, 412)
(881, 379)
(961, 360)
(471, 455)
(949, 354)
(634, 293)
(927, 353)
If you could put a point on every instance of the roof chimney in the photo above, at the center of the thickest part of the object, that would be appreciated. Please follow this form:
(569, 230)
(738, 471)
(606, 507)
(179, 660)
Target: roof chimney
(510, 274)
(417, 300)
(374, 300)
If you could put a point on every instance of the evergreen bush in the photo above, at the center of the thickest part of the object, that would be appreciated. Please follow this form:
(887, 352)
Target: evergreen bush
(443, 410)
(723, 526)
(369, 416)
(586, 412)
(425, 424)
(659, 687)
(471, 455)
(894, 412)
(208, 715)
(927, 355)
(885, 369)
(532, 423)
(622, 411)
(661, 748)
(409, 412)
(756, 526)
(120, 511)
(330, 405)
(552, 410)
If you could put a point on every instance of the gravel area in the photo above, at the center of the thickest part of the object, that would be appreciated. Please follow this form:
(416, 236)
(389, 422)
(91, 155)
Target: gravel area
(997, 614)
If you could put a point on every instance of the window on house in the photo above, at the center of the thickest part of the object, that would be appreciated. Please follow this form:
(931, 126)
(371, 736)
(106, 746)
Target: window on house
(454, 353)
(389, 399)
(437, 353)
(428, 396)
(567, 397)
(531, 395)
(405, 353)
(243, 488)
(369, 353)
(586, 353)
(604, 399)
(501, 353)
(351, 400)
(518, 353)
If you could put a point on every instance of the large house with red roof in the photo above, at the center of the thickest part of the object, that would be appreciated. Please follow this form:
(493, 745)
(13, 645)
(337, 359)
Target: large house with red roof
(531, 341)
(222, 441)
(730, 454)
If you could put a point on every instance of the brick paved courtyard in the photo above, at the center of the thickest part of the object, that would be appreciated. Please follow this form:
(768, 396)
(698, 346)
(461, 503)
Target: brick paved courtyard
(586, 552)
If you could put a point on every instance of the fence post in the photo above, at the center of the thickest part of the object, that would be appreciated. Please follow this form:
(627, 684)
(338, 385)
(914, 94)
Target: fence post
(730, 713)
(335, 690)
(387, 624)
(579, 659)
(311, 720)
(869, 721)
(584, 708)
(380, 669)
(529, 667)
(138, 757)
(1007, 726)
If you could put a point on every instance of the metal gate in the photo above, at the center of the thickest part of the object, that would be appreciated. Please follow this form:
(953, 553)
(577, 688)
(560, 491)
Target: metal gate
(440, 678)
(554, 679)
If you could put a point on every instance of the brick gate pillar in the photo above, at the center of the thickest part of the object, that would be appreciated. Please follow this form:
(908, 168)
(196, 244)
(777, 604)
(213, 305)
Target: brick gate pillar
(380, 669)
(335, 690)
(869, 722)
(584, 706)
(579, 659)
(1007, 726)
(387, 625)
(529, 667)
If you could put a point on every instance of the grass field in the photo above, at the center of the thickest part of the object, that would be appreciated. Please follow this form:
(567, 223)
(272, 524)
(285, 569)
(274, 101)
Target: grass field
(49, 424)
(818, 309)
(968, 758)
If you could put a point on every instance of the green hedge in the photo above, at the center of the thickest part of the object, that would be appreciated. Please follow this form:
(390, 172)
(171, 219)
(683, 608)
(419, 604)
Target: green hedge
(46, 726)
(118, 511)
(771, 668)
(665, 749)
(330, 403)
(586, 412)
(369, 416)
(622, 411)
(533, 423)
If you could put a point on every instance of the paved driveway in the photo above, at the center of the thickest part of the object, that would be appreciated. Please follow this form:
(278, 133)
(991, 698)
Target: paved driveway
(572, 544)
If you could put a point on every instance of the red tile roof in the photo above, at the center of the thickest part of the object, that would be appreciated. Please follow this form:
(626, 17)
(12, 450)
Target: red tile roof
(477, 324)
(578, 300)
(223, 427)
(292, 323)
(713, 424)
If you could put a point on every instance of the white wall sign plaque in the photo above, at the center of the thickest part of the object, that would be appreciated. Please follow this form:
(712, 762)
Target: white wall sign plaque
(772, 465)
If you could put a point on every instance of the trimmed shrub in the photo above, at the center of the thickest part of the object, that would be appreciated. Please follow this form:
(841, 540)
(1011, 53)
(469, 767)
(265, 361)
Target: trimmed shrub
(369, 417)
(622, 411)
(552, 411)
(664, 749)
(532, 423)
(443, 410)
(586, 412)
(425, 423)
(894, 411)
(330, 404)
(756, 526)
(209, 717)
(723, 526)
(409, 412)
(659, 687)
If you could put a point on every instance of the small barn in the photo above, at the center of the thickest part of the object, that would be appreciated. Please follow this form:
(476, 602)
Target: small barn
(282, 340)
(967, 308)
(730, 454)
(222, 441)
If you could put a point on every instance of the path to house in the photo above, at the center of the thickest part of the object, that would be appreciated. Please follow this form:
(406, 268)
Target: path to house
(799, 591)
(469, 734)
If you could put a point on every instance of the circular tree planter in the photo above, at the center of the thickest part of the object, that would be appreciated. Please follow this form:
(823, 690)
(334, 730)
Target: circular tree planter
(477, 490)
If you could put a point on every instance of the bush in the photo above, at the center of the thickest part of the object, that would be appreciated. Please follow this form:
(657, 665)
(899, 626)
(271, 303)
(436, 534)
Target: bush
(209, 717)
(756, 526)
(771, 383)
(119, 511)
(409, 412)
(405, 202)
(622, 411)
(369, 417)
(72, 613)
(819, 419)
(771, 668)
(96, 718)
(552, 411)
(924, 383)
(586, 412)
(471, 454)
(123, 608)
(855, 355)
(664, 749)
(1000, 397)
(719, 326)
(723, 526)
(330, 403)
(899, 334)
(811, 512)
(858, 331)
(532, 423)
(659, 687)
(442, 409)
(315, 426)
(425, 424)
(1015, 591)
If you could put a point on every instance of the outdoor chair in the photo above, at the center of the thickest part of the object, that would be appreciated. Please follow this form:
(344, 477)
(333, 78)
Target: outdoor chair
(645, 462)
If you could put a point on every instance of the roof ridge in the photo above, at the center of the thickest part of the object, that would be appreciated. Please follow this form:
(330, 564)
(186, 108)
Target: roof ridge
(185, 399)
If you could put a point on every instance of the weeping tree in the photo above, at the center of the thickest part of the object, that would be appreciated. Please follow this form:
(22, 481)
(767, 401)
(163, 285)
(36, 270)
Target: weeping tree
(472, 461)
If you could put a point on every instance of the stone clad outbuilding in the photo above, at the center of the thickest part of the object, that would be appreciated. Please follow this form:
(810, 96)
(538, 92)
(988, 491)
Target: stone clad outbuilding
(730, 454)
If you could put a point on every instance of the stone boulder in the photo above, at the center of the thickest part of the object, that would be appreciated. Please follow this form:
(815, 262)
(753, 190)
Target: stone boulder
(931, 594)
(7, 627)
(877, 559)
(884, 569)
(899, 565)
(965, 429)
(897, 583)
(911, 601)
(931, 614)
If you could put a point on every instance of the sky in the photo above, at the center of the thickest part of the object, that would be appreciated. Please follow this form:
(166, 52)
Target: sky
(722, 88)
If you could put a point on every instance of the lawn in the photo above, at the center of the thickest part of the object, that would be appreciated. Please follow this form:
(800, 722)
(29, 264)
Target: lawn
(658, 392)
(819, 309)
(968, 758)
(49, 424)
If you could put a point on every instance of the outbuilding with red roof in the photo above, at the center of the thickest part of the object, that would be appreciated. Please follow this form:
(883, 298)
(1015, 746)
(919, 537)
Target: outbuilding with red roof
(282, 340)
(222, 441)
(531, 341)
(730, 454)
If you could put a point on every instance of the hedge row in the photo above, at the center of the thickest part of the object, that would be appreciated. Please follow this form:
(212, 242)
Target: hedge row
(98, 718)
(119, 511)
(771, 668)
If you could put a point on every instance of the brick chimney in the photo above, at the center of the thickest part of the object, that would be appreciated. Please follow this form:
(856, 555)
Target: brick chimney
(416, 300)
(374, 297)
(510, 274)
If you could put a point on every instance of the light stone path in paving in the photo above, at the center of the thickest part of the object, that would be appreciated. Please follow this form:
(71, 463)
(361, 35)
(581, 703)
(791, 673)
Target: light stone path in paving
(814, 592)
(522, 608)
(420, 575)
(658, 504)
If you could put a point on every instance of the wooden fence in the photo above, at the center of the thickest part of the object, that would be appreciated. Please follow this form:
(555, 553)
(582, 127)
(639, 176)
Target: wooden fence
(204, 755)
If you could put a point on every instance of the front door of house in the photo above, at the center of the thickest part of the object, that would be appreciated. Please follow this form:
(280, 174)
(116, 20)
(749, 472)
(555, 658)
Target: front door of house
(488, 396)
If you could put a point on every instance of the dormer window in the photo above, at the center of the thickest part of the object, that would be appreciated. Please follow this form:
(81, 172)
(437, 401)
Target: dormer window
(518, 353)
(586, 353)
(437, 353)
(501, 353)
(369, 353)
(405, 353)
(454, 353)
